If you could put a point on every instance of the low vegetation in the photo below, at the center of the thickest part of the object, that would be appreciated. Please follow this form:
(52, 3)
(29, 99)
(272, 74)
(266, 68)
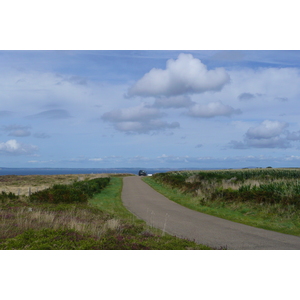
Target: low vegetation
(86, 213)
(78, 192)
(27, 184)
(267, 198)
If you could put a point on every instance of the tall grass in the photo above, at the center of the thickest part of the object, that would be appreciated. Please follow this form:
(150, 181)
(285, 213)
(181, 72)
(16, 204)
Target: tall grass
(266, 198)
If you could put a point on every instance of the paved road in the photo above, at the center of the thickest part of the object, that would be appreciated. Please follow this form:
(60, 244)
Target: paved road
(160, 212)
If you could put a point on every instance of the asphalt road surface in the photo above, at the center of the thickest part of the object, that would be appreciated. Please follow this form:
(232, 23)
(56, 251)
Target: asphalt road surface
(160, 212)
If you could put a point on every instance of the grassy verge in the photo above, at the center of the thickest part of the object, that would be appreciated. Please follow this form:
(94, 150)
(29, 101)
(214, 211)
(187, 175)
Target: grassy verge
(110, 201)
(102, 223)
(265, 216)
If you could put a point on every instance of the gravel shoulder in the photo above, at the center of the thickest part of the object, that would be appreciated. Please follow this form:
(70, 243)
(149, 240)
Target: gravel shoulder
(160, 212)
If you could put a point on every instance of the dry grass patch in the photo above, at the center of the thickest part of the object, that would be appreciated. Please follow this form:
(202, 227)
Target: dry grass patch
(82, 220)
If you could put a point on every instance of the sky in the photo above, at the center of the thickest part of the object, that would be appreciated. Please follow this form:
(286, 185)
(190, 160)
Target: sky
(149, 108)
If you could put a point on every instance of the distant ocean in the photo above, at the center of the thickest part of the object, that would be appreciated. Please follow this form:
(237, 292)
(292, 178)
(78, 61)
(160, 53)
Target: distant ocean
(59, 171)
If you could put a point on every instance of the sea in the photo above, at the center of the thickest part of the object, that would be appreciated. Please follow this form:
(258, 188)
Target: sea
(64, 171)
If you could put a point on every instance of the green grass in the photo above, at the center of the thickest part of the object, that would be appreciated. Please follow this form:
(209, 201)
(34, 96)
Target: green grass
(109, 200)
(266, 216)
(101, 224)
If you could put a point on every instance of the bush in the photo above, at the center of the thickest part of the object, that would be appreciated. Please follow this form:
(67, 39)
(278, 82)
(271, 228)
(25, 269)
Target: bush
(79, 192)
(276, 186)
(10, 195)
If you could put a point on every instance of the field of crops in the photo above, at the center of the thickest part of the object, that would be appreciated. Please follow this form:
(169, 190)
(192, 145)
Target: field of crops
(272, 195)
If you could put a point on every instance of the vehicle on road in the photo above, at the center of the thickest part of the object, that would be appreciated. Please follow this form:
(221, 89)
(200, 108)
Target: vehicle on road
(142, 173)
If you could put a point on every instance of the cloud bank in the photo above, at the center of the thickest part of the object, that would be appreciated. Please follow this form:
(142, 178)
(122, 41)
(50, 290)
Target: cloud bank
(212, 109)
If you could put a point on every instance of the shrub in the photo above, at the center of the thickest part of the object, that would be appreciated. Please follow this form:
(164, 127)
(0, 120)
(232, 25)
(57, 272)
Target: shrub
(275, 186)
(78, 192)
(10, 195)
(50, 239)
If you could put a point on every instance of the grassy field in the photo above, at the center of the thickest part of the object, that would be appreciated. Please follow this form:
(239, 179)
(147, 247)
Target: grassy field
(101, 223)
(264, 198)
(23, 185)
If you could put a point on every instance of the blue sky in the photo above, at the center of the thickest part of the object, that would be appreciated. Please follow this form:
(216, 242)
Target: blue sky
(147, 108)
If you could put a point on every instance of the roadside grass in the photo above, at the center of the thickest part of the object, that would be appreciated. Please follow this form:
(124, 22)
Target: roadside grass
(275, 217)
(110, 201)
(103, 223)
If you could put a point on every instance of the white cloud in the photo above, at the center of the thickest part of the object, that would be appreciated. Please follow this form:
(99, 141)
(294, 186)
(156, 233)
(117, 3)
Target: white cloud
(42, 161)
(267, 129)
(138, 119)
(186, 75)
(268, 134)
(145, 127)
(12, 147)
(175, 159)
(96, 159)
(136, 113)
(181, 101)
(212, 109)
(175, 94)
